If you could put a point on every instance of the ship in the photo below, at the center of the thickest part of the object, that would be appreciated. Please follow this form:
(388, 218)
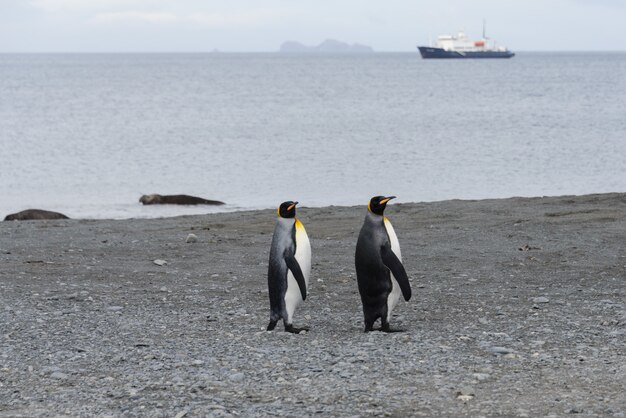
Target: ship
(461, 46)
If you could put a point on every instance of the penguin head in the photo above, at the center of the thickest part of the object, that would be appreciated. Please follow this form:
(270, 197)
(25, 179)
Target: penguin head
(378, 203)
(287, 209)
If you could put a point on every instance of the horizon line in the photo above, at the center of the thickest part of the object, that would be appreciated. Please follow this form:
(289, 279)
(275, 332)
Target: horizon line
(217, 52)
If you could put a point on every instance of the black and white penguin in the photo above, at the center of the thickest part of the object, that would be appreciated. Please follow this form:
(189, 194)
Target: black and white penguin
(379, 270)
(289, 267)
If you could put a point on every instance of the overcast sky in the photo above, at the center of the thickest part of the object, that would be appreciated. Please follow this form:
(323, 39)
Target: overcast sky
(262, 25)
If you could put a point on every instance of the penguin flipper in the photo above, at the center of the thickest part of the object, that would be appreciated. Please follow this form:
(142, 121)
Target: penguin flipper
(293, 265)
(391, 261)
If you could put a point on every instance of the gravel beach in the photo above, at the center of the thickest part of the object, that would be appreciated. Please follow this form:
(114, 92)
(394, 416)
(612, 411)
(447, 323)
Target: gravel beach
(518, 309)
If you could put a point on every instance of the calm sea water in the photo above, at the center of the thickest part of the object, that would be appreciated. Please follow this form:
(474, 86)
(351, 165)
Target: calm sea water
(87, 135)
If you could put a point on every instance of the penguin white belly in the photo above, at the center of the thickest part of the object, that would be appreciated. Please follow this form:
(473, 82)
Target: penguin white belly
(395, 293)
(293, 297)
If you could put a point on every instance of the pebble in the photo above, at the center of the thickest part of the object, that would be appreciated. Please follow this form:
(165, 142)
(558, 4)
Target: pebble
(160, 262)
(466, 390)
(236, 377)
(465, 394)
(500, 350)
(191, 238)
(541, 299)
(58, 376)
(481, 376)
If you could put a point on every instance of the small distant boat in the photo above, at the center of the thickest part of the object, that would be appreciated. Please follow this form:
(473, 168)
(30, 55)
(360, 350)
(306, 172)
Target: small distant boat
(461, 46)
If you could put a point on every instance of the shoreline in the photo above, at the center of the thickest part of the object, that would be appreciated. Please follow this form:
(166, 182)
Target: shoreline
(228, 208)
(518, 309)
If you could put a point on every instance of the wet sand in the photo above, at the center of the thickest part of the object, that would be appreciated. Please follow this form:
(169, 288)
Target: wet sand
(518, 309)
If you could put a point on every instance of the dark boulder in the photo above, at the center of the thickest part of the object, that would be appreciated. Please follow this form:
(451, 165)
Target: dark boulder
(176, 199)
(34, 214)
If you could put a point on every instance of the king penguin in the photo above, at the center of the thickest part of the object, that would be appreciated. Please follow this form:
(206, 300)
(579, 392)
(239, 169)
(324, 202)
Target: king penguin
(289, 267)
(379, 270)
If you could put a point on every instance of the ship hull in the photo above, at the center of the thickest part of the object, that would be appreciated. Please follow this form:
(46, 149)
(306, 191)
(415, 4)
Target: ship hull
(430, 52)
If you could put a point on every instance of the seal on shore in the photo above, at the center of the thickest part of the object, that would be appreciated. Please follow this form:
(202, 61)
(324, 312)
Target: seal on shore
(34, 214)
(289, 267)
(176, 199)
(379, 270)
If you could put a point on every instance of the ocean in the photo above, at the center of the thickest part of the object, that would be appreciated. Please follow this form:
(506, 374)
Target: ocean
(88, 134)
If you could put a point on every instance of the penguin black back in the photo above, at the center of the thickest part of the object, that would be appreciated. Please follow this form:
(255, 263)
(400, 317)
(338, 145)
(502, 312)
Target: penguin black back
(380, 274)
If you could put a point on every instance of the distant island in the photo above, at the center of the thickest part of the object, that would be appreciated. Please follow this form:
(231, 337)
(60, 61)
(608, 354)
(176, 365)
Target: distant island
(329, 45)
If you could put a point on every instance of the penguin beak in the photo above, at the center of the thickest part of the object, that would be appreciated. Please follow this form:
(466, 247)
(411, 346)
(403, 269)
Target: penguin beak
(387, 199)
(292, 206)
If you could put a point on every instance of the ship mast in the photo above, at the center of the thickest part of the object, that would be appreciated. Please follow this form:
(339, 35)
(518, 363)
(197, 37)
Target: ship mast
(484, 29)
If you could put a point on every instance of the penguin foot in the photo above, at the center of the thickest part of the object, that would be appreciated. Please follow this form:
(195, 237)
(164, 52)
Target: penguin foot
(294, 330)
(390, 330)
(387, 328)
(271, 325)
